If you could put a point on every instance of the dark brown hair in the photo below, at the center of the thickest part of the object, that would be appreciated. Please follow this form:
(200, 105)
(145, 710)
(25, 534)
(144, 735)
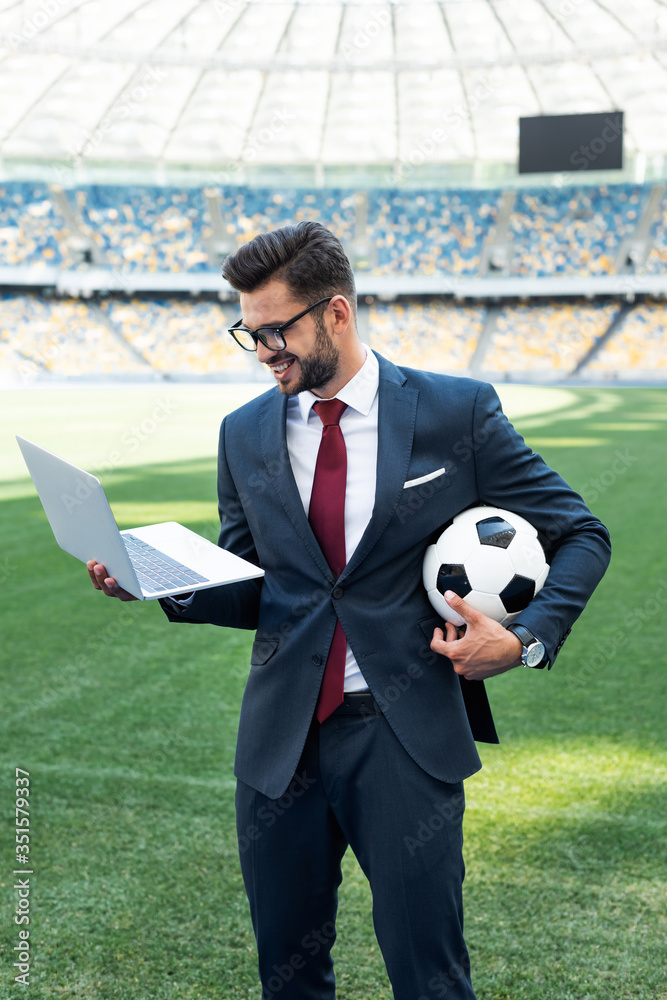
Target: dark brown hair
(307, 257)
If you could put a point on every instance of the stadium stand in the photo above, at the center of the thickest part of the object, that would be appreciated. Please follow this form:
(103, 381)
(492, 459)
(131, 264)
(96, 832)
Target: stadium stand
(249, 211)
(170, 336)
(640, 345)
(152, 229)
(569, 230)
(550, 337)
(546, 232)
(572, 230)
(41, 338)
(656, 261)
(61, 338)
(430, 333)
(413, 232)
(31, 230)
(177, 336)
(166, 229)
(418, 232)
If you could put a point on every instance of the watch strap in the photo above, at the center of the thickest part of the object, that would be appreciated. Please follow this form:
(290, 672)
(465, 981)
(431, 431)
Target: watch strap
(525, 635)
(527, 639)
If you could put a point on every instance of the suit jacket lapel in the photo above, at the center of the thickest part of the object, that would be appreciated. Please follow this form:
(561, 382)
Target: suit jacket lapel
(273, 442)
(397, 411)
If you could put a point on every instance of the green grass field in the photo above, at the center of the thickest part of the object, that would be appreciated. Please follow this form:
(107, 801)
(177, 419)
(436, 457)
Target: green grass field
(127, 724)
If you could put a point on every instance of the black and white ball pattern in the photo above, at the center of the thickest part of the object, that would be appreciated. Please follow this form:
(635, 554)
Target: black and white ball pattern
(489, 556)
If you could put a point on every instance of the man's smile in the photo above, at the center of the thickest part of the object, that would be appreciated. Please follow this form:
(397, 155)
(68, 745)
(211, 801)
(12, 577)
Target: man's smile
(281, 367)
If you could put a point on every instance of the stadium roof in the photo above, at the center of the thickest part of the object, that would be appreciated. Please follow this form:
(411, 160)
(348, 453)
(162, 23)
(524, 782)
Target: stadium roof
(225, 84)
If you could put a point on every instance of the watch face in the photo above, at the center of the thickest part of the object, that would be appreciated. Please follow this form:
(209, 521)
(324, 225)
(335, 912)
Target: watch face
(534, 654)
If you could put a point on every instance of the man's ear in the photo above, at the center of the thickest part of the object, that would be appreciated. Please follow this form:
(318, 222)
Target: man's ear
(343, 314)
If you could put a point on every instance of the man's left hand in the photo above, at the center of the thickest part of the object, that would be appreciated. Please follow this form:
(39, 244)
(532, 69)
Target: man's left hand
(485, 649)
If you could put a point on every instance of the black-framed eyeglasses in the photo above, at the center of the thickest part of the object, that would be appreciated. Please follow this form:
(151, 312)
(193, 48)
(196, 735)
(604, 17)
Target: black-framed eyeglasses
(272, 337)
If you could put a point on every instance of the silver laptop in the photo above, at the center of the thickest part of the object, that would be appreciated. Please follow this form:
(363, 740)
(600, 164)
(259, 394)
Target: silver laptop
(158, 560)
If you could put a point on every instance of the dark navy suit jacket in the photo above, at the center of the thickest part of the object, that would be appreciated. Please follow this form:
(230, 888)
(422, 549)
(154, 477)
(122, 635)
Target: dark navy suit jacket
(426, 422)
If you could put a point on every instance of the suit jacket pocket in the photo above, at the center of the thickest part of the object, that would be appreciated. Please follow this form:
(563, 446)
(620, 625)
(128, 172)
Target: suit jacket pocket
(474, 694)
(424, 498)
(262, 651)
(428, 624)
(426, 489)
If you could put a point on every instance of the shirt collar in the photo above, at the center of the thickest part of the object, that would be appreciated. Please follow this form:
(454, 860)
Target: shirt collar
(359, 393)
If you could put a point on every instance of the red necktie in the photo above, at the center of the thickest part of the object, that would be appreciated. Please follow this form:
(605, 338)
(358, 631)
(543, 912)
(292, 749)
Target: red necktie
(327, 519)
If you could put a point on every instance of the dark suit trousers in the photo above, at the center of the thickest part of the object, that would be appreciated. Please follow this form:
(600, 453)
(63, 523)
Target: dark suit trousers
(356, 785)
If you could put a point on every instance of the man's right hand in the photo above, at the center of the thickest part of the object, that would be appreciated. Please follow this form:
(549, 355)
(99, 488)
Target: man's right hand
(102, 581)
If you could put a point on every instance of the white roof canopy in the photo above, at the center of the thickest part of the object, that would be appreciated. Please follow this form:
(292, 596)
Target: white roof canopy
(215, 82)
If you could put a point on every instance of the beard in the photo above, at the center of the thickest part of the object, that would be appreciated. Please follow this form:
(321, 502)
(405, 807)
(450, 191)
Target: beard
(318, 368)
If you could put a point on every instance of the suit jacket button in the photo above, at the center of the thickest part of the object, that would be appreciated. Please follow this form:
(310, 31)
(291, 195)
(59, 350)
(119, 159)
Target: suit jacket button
(317, 660)
(337, 592)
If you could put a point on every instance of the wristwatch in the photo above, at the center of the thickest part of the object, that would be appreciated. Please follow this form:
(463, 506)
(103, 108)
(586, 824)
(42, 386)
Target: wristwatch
(533, 652)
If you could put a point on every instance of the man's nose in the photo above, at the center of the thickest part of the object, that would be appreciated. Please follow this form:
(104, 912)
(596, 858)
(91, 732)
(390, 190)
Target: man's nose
(264, 354)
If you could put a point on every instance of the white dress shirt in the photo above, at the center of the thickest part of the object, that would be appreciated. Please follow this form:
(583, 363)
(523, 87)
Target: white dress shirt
(359, 424)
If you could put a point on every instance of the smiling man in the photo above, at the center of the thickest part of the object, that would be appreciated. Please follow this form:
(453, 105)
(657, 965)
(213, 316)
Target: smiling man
(360, 716)
(318, 359)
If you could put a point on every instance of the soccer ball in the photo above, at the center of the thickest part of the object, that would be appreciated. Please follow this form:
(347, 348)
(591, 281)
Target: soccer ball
(492, 558)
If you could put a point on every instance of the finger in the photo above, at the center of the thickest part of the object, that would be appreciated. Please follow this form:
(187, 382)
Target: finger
(461, 669)
(96, 572)
(444, 646)
(113, 590)
(461, 607)
(107, 583)
(451, 632)
(450, 635)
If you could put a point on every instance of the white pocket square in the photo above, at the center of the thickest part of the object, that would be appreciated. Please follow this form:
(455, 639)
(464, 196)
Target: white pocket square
(423, 479)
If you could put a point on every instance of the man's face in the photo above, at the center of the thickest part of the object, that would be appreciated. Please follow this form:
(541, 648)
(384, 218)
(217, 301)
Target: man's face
(310, 359)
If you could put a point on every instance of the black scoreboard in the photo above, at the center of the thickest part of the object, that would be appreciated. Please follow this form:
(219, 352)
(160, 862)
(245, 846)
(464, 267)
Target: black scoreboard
(555, 143)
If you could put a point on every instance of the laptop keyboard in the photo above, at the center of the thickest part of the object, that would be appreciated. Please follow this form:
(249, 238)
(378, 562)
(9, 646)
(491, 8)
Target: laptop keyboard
(157, 571)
